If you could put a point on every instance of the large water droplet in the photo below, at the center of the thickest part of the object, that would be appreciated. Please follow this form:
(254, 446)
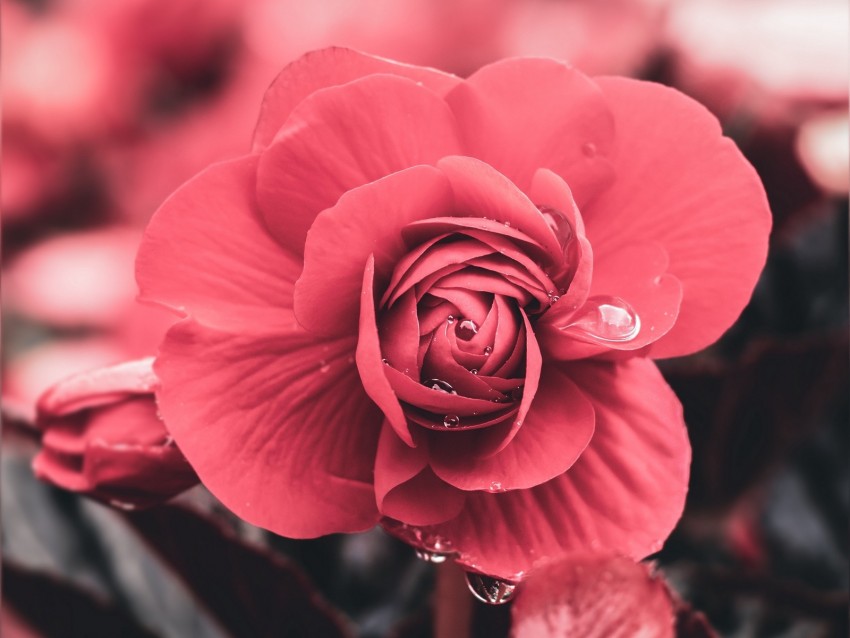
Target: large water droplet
(607, 318)
(466, 329)
(440, 386)
(451, 421)
(490, 590)
(431, 557)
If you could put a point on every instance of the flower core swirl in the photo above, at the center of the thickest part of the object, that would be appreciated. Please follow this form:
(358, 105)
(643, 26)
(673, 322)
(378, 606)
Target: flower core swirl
(453, 321)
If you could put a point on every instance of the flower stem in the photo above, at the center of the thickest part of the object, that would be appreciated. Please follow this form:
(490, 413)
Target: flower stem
(452, 603)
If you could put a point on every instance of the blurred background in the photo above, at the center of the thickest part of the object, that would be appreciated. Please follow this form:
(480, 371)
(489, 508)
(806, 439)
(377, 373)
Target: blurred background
(109, 105)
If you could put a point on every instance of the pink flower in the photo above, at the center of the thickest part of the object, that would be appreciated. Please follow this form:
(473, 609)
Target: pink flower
(431, 302)
(594, 595)
(103, 437)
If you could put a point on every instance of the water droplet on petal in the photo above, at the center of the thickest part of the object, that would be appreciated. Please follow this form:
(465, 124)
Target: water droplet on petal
(440, 386)
(385, 362)
(431, 557)
(474, 371)
(490, 590)
(560, 225)
(466, 329)
(450, 319)
(488, 351)
(495, 486)
(607, 318)
(451, 421)
(589, 149)
(508, 224)
(554, 299)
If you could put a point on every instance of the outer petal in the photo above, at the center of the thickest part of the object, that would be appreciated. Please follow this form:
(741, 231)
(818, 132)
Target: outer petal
(423, 500)
(682, 184)
(624, 494)
(276, 425)
(520, 115)
(370, 359)
(406, 489)
(344, 137)
(556, 430)
(549, 189)
(331, 67)
(366, 220)
(207, 253)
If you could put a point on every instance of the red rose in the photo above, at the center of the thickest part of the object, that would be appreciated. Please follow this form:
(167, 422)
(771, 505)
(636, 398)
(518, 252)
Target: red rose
(103, 437)
(431, 302)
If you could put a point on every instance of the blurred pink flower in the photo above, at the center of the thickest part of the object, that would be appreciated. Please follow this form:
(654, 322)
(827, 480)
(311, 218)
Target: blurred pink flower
(776, 59)
(608, 36)
(597, 36)
(594, 596)
(80, 286)
(823, 147)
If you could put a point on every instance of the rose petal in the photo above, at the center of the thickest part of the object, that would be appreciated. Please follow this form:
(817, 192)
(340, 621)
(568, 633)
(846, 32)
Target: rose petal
(549, 189)
(480, 228)
(140, 476)
(533, 367)
(344, 137)
(683, 185)
(440, 403)
(440, 364)
(289, 416)
(557, 429)
(396, 462)
(624, 494)
(485, 281)
(399, 333)
(331, 67)
(114, 452)
(637, 275)
(207, 253)
(507, 348)
(98, 387)
(434, 259)
(423, 500)
(520, 115)
(470, 304)
(373, 372)
(327, 295)
(481, 191)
